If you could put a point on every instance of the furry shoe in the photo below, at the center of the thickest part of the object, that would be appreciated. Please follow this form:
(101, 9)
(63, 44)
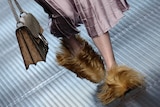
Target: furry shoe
(119, 80)
(86, 63)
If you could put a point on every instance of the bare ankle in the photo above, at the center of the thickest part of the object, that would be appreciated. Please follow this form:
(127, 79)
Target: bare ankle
(110, 65)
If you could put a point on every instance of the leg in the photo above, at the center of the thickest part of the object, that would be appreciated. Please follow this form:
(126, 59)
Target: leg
(79, 57)
(103, 43)
(72, 44)
(119, 79)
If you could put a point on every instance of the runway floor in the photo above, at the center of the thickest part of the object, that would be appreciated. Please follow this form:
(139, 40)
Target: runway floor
(135, 41)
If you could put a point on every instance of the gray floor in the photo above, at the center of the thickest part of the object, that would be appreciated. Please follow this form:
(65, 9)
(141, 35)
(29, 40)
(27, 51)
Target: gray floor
(136, 43)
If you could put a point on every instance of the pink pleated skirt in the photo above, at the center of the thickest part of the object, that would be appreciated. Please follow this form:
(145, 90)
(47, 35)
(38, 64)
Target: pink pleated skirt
(98, 16)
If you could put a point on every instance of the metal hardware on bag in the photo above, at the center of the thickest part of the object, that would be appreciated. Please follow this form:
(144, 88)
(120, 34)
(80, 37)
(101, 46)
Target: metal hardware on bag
(43, 39)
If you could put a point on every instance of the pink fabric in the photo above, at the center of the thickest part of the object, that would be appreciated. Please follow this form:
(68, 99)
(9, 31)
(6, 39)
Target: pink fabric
(99, 16)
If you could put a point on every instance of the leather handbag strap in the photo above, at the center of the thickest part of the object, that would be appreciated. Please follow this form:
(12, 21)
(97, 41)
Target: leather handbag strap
(14, 10)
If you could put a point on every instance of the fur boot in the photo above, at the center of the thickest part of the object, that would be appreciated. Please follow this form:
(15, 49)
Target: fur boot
(119, 80)
(86, 63)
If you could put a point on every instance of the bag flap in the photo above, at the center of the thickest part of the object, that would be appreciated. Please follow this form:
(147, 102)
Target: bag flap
(29, 21)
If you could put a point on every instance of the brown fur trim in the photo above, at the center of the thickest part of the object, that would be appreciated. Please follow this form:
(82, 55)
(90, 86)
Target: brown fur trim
(86, 64)
(119, 80)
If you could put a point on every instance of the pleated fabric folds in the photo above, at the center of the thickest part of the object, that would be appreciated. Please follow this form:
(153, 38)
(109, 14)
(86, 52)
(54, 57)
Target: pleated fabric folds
(98, 16)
